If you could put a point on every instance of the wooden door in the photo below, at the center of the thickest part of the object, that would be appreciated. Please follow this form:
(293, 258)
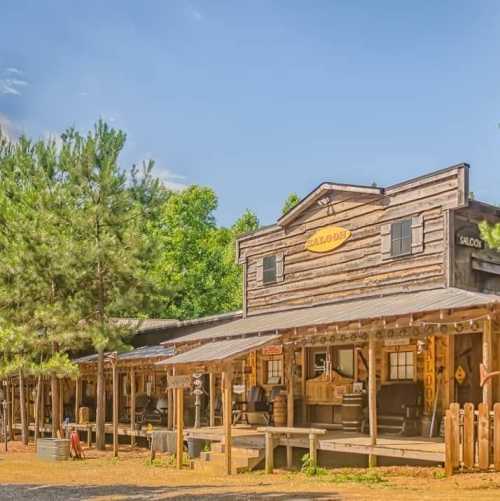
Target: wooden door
(468, 356)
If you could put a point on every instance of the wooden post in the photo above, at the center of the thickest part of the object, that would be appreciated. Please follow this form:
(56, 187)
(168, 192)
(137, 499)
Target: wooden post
(132, 408)
(372, 396)
(12, 409)
(496, 436)
(211, 391)
(78, 397)
(313, 449)
(290, 418)
(483, 436)
(303, 380)
(487, 361)
(170, 404)
(9, 409)
(42, 408)
(228, 417)
(38, 397)
(449, 446)
(468, 448)
(180, 426)
(22, 407)
(115, 406)
(269, 452)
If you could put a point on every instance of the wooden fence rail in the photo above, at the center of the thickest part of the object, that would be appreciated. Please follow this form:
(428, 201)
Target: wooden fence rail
(472, 438)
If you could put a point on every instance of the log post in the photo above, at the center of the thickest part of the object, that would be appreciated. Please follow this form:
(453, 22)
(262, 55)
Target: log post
(290, 418)
(54, 390)
(487, 361)
(115, 405)
(132, 408)
(211, 391)
(269, 452)
(180, 426)
(78, 397)
(61, 406)
(372, 396)
(170, 404)
(228, 417)
(38, 397)
(313, 449)
(303, 379)
(12, 409)
(22, 407)
(9, 409)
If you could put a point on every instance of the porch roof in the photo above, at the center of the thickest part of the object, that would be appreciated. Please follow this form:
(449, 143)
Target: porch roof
(142, 353)
(345, 311)
(220, 350)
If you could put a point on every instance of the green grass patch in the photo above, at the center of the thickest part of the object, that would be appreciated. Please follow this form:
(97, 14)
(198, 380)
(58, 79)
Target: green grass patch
(370, 477)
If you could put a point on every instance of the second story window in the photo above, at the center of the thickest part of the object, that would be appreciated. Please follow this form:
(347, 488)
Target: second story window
(401, 238)
(269, 270)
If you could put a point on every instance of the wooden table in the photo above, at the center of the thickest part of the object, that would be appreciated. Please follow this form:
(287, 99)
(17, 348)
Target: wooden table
(272, 431)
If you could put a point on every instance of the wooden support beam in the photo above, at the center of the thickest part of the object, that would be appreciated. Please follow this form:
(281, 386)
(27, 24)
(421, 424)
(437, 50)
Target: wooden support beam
(180, 426)
(115, 407)
(211, 392)
(228, 417)
(78, 397)
(303, 380)
(132, 407)
(269, 453)
(313, 450)
(290, 404)
(488, 361)
(372, 396)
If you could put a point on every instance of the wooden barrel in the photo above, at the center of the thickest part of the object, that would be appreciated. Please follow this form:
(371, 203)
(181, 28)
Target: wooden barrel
(352, 411)
(279, 410)
(54, 449)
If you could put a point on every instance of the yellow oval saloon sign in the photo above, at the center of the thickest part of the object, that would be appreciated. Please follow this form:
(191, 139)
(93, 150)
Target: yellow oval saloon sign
(327, 239)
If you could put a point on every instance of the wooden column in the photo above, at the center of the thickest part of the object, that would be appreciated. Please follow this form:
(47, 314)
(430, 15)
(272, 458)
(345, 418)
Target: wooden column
(115, 407)
(9, 408)
(38, 399)
(269, 453)
(132, 408)
(303, 380)
(180, 426)
(61, 406)
(487, 361)
(313, 449)
(290, 418)
(78, 397)
(211, 391)
(228, 417)
(23, 409)
(42, 408)
(372, 395)
(170, 404)
(12, 409)
(54, 399)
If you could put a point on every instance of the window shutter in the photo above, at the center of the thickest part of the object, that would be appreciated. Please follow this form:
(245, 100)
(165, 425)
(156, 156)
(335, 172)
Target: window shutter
(417, 234)
(385, 234)
(260, 271)
(280, 265)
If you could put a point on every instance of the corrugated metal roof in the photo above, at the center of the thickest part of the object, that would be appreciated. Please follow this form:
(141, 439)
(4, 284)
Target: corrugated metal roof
(345, 311)
(141, 353)
(220, 350)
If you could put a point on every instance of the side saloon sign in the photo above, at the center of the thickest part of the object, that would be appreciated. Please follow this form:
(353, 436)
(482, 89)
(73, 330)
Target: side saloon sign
(327, 239)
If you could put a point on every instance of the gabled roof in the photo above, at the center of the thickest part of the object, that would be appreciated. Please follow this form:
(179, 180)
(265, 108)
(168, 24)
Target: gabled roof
(321, 191)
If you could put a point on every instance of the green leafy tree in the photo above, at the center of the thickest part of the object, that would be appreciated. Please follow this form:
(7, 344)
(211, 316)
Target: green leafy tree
(291, 201)
(107, 237)
(490, 233)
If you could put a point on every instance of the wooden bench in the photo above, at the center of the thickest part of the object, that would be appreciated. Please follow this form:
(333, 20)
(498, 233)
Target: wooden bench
(272, 431)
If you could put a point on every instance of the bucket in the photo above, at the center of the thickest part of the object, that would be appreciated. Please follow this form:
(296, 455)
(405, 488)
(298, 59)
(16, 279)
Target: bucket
(195, 446)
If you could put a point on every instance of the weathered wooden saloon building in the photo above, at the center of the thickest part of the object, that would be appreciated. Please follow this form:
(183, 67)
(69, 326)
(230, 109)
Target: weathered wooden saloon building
(367, 312)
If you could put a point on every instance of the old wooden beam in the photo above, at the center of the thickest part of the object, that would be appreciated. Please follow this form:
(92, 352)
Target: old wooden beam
(115, 409)
(290, 404)
(132, 407)
(211, 393)
(180, 426)
(78, 397)
(228, 417)
(488, 361)
(372, 396)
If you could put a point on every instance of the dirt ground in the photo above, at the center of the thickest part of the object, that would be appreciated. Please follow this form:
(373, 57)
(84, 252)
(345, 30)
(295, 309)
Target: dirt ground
(132, 477)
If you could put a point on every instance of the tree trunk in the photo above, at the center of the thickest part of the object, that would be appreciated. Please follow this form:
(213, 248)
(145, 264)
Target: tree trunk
(37, 406)
(22, 407)
(56, 419)
(100, 441)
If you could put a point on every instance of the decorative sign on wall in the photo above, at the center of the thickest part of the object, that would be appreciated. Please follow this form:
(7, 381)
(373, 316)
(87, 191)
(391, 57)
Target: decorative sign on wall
(275, 349)
(469, 239)
(178, 382)
(402, 341)
(327, 239)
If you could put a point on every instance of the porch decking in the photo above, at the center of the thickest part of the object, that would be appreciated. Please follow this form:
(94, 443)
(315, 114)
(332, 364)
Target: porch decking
(414, 448)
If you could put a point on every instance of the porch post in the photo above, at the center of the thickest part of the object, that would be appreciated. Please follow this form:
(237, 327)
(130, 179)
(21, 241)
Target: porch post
(487, 361)
(180, 426)
(372, 396)
(78, 385)
(132, 407)
(115, 406)
(170, 403)
(227, 417)
(211, 391)
(290, 404)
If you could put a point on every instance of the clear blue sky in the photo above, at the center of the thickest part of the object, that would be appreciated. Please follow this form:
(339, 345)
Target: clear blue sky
(260, 98)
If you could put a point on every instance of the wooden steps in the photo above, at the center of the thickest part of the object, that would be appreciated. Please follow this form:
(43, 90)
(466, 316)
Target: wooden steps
(243, 458)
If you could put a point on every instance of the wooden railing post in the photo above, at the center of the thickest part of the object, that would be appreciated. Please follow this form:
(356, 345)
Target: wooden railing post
(468, 446)
(483, 436)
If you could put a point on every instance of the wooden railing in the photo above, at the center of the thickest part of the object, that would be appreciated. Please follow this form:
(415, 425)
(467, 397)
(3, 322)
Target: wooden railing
(472, 438)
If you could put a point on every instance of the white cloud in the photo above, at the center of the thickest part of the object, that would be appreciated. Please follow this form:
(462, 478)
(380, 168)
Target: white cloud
(194, 13)
(8, 129)
(11, 84)
(170, 179)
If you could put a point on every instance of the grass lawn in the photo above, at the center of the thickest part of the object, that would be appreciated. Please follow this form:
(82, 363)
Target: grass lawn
(132, 477)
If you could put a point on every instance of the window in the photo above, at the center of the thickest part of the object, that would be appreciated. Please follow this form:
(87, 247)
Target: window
(401, 365)
(401, 238)
(319, 360)
(274, 371)
(344, 361)
(269, 270)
